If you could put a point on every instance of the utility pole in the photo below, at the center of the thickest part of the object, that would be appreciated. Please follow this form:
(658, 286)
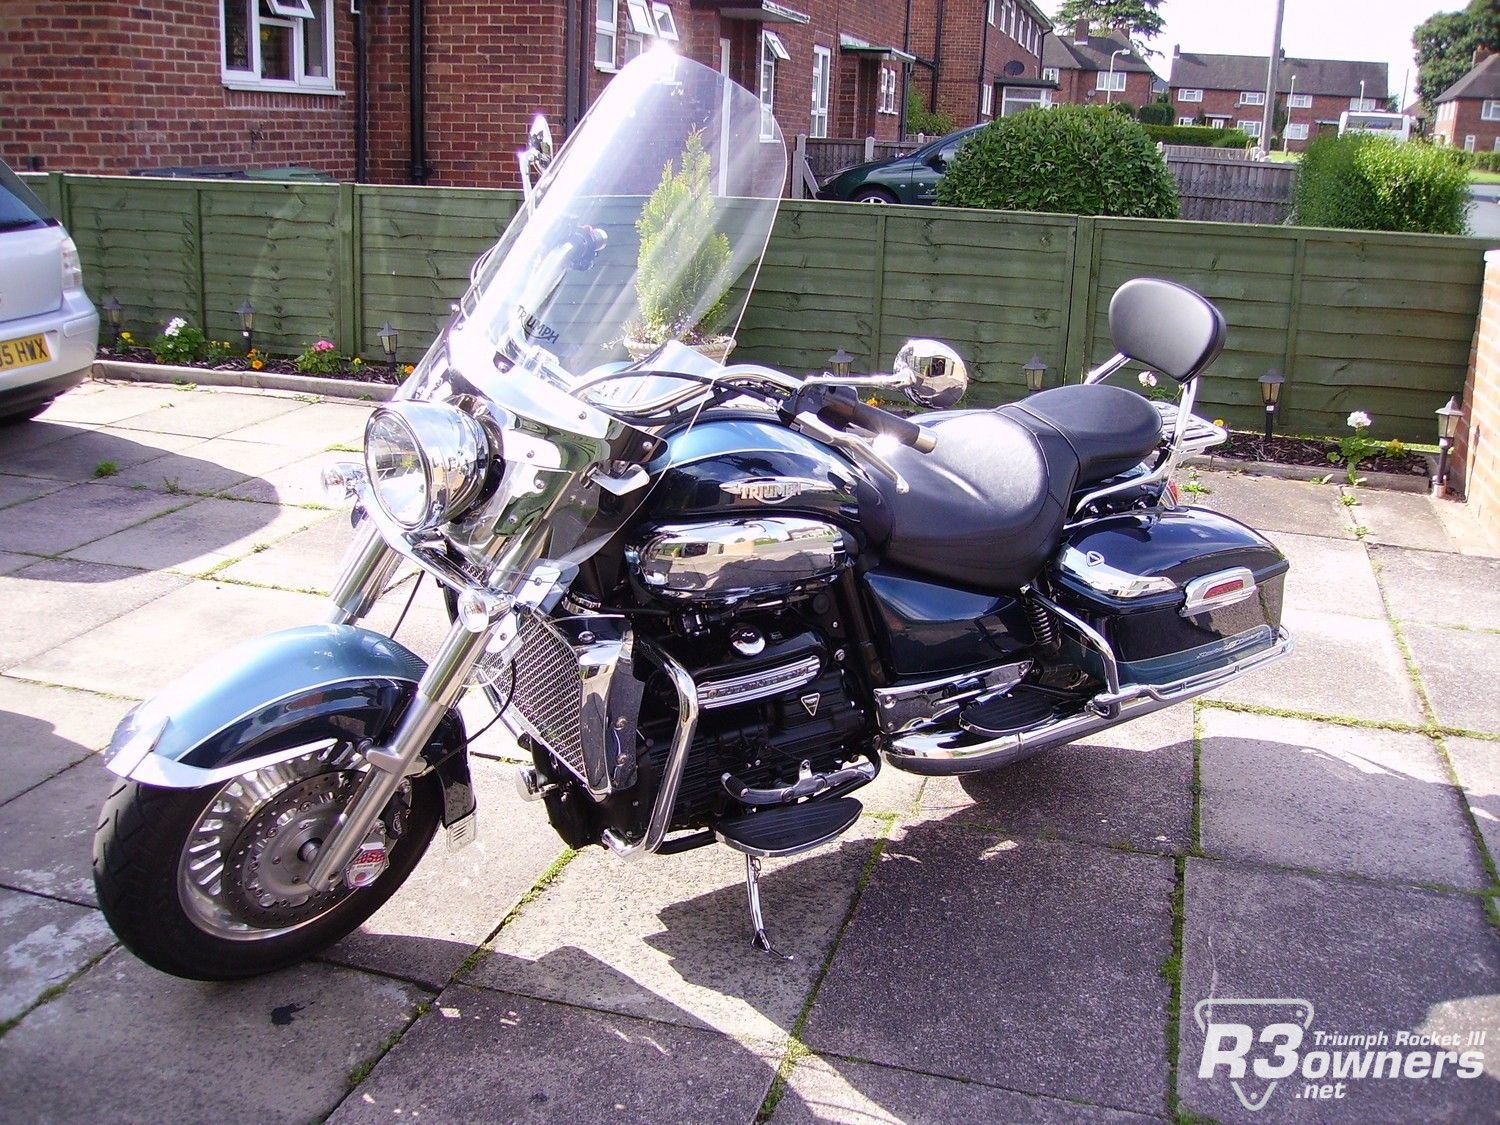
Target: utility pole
(1268, 119)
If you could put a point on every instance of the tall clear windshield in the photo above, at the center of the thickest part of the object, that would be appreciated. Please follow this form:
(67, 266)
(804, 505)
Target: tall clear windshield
(647, 228)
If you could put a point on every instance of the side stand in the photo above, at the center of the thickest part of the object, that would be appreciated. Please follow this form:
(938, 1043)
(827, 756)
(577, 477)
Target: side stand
(761, 940)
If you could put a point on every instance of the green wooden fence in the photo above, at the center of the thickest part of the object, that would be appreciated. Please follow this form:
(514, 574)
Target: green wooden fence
(1357, 321)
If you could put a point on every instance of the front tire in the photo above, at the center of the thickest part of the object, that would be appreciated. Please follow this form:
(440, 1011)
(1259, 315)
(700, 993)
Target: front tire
(202, 883)
(872, 195)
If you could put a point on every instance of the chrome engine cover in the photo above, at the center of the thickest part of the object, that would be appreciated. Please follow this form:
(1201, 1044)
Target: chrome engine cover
(733, 559)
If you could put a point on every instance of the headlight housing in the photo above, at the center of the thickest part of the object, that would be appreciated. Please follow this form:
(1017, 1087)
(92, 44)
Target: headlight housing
(426, 462)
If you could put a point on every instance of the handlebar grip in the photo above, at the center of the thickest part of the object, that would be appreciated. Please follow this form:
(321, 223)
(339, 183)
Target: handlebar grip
(847, 408)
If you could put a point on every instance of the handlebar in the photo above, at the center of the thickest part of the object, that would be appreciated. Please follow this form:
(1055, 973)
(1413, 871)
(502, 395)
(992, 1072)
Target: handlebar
(842, 407)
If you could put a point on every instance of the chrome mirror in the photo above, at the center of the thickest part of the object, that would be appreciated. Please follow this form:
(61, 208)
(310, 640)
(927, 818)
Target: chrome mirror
(931, 373)
(539, 142)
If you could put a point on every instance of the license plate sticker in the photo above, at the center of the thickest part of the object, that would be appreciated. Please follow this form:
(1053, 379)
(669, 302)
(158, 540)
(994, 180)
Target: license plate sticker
(23, 352)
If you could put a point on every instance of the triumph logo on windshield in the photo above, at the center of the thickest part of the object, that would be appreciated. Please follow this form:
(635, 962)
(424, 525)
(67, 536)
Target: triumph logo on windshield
(537, 329)
(775, 490)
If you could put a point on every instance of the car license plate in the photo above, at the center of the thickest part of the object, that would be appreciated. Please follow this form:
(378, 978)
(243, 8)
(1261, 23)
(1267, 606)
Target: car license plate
(23, 352)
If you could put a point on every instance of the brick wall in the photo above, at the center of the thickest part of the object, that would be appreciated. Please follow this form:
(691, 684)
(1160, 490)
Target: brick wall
(1463, 118)
(1475, 469)
(1080, 87)
(1322, 116)
(970, 53)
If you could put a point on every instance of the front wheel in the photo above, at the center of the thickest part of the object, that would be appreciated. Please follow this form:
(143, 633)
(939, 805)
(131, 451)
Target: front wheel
(872, 195)
(210, 883)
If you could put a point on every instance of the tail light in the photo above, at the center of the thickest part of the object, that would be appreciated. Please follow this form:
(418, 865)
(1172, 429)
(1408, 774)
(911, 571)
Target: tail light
(72, 268)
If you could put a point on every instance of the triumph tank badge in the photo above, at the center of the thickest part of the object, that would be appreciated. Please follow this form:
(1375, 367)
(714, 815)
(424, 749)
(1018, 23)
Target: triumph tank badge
(810, 702)
(775, 490)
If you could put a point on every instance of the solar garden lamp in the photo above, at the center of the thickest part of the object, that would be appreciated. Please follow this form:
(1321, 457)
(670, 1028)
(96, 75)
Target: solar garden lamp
(1036, 374)
(387, 337)
(1270, 395)
(114, 313)
(1448, 418)
(246, 313)
(840, 363)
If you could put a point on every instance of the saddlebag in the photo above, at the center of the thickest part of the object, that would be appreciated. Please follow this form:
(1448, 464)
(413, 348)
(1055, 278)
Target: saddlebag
(1174, 593)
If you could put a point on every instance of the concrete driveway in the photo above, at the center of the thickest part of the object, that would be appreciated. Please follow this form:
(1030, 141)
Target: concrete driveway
(1031, 945)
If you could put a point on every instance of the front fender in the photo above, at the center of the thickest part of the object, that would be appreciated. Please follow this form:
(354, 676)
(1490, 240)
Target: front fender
(266, 700)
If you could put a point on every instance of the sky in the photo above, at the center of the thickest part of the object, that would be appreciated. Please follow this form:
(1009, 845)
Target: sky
(1368, 30)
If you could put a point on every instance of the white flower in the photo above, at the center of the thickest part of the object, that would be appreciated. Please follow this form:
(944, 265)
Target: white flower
(174, 325)
(1359, 420)
(1147, 379)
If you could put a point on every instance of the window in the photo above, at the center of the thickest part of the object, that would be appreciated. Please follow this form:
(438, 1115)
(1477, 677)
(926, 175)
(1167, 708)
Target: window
(1490, 112)
(278, 43)
(990, 13)
(1190, 95)
(1108, 81)
(1250, 128)
(1362, 105)
(822, 68)
(771, 49)
(1469, 142)
(1299, 101)
(606, 29)
(1049, 73)
(1010, 18)
(1252, 97)
(1017, 99)
(1296, 131)
(888, 83)
(986, 100)
(666, 25)
(1187, 120)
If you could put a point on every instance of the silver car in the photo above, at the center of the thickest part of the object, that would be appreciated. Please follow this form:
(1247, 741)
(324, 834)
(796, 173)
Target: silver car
(49, 329)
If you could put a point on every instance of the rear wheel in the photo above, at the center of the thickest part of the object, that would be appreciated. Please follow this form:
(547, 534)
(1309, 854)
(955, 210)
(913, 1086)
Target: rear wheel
(211, 883)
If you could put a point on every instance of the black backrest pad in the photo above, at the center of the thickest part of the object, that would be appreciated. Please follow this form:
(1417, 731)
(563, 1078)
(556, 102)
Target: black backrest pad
(1165, 326)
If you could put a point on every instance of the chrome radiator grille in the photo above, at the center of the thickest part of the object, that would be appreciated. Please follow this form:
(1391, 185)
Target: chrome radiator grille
(548, 692)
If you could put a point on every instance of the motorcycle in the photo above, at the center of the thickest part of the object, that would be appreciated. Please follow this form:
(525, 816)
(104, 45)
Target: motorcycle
(709, 600)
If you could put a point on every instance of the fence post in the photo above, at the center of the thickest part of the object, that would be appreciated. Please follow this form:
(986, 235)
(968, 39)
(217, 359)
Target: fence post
(61, 201)
(877, 325)
(200, 278)
(1293, 317)
(869, 149)
(346, 262)
(1080, 297)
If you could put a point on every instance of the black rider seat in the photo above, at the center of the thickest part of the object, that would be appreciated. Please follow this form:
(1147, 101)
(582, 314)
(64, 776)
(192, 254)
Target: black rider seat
(987, 505)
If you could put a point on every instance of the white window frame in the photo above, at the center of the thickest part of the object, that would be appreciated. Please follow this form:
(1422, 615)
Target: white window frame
(1018, 99)
(1490, 111)
(295, 16)
(1190, 95)
(990, 13)
(1113, 82)
(822, 80)
(1299, 101)
(1187, 121)
(606, 32)
(1050, 73)
(1252, 97)
(666, 23)
(1470, 142)
(889, 83)
(1251, 129)
(766, 82)
(1296, 131)
(1010, 19)
(1362, 105)
(986, 100)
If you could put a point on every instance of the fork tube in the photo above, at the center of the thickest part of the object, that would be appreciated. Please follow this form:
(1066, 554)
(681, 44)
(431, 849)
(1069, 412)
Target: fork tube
(437, 691)
(367, 568)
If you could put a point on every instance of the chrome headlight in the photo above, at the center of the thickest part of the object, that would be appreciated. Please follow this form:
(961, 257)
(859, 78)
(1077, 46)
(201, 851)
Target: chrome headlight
(426, 462)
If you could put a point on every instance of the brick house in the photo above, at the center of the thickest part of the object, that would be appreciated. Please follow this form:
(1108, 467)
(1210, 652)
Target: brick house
(1230, 91)
(1468, 112)
(441, 91)
(1097, 69)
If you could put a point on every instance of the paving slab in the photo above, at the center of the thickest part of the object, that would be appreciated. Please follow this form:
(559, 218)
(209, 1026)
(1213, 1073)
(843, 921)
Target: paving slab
(209, 466)
(126, 1043)
(201, 538)
(476, 887)
(203, 414)
(1477, 764)
(78, 514)
(1399, 519)
(1271, 505)
(480, 1056)
(100, 404)
(1368, 959)
(1329, 575)
(80, 457)
(856, 1093)
(1129, 785)
(47, 835)
(306, 560)
(65, 600)
(1029, 964)
(42, 944)
(1343, 799)
(1457, 667)
(10, 563)
(44, 730)
(1341, 665)
(35, 434)
(17, 490)
(1440, 589)
(313, 427)
(297, 482)
(668, 938)
(138, 653)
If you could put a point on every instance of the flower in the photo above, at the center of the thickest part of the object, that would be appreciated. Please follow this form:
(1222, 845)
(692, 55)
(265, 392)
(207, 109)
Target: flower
(1147, 379)
(1219, 422)
(323, 346)
(356, 362)
(1395, 445)
(175, 325)
(408, 369)
(126, 337)
(1359, 420)
(256, 365)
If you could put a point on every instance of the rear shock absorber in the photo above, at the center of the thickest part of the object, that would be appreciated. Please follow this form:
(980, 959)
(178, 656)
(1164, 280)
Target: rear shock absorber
(1043, 628)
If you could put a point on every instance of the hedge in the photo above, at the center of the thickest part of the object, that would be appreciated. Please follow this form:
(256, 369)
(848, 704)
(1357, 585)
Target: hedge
(1205, 136)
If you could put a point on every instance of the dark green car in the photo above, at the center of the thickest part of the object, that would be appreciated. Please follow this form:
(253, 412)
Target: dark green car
(902, 179)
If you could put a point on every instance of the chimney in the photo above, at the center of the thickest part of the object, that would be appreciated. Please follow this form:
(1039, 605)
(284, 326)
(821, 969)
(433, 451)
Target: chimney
(1481, 53)
(1177, 50)
(1081, 33)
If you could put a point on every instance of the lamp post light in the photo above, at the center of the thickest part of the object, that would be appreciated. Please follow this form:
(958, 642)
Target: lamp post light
(1036, 374)
(246, 313)
(1287, 127)
(1448, 419)
(114, 312)
(1270, 395)
(1109, 91)
(387, 337)
(840, 363)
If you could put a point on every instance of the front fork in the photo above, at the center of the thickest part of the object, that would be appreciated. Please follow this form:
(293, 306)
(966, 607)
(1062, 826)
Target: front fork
(368, 567)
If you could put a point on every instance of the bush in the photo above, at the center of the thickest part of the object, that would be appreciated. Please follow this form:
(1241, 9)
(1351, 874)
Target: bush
(321, 358)
(1486, 161)
(1155, 113)
(920, 119)
(1205, 136)
(1072, 159)
(1123, 107)
(1362, 182)
(179, 343)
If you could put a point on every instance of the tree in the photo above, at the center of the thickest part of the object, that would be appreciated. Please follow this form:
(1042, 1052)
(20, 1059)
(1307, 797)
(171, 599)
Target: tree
(1138, 19)
(1446, 43)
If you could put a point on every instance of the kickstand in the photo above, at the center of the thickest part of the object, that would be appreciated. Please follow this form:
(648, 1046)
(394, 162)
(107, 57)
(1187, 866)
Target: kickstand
(761, 940)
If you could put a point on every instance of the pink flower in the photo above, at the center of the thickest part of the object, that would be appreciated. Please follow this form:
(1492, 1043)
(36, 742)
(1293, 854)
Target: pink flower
(322, 346)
